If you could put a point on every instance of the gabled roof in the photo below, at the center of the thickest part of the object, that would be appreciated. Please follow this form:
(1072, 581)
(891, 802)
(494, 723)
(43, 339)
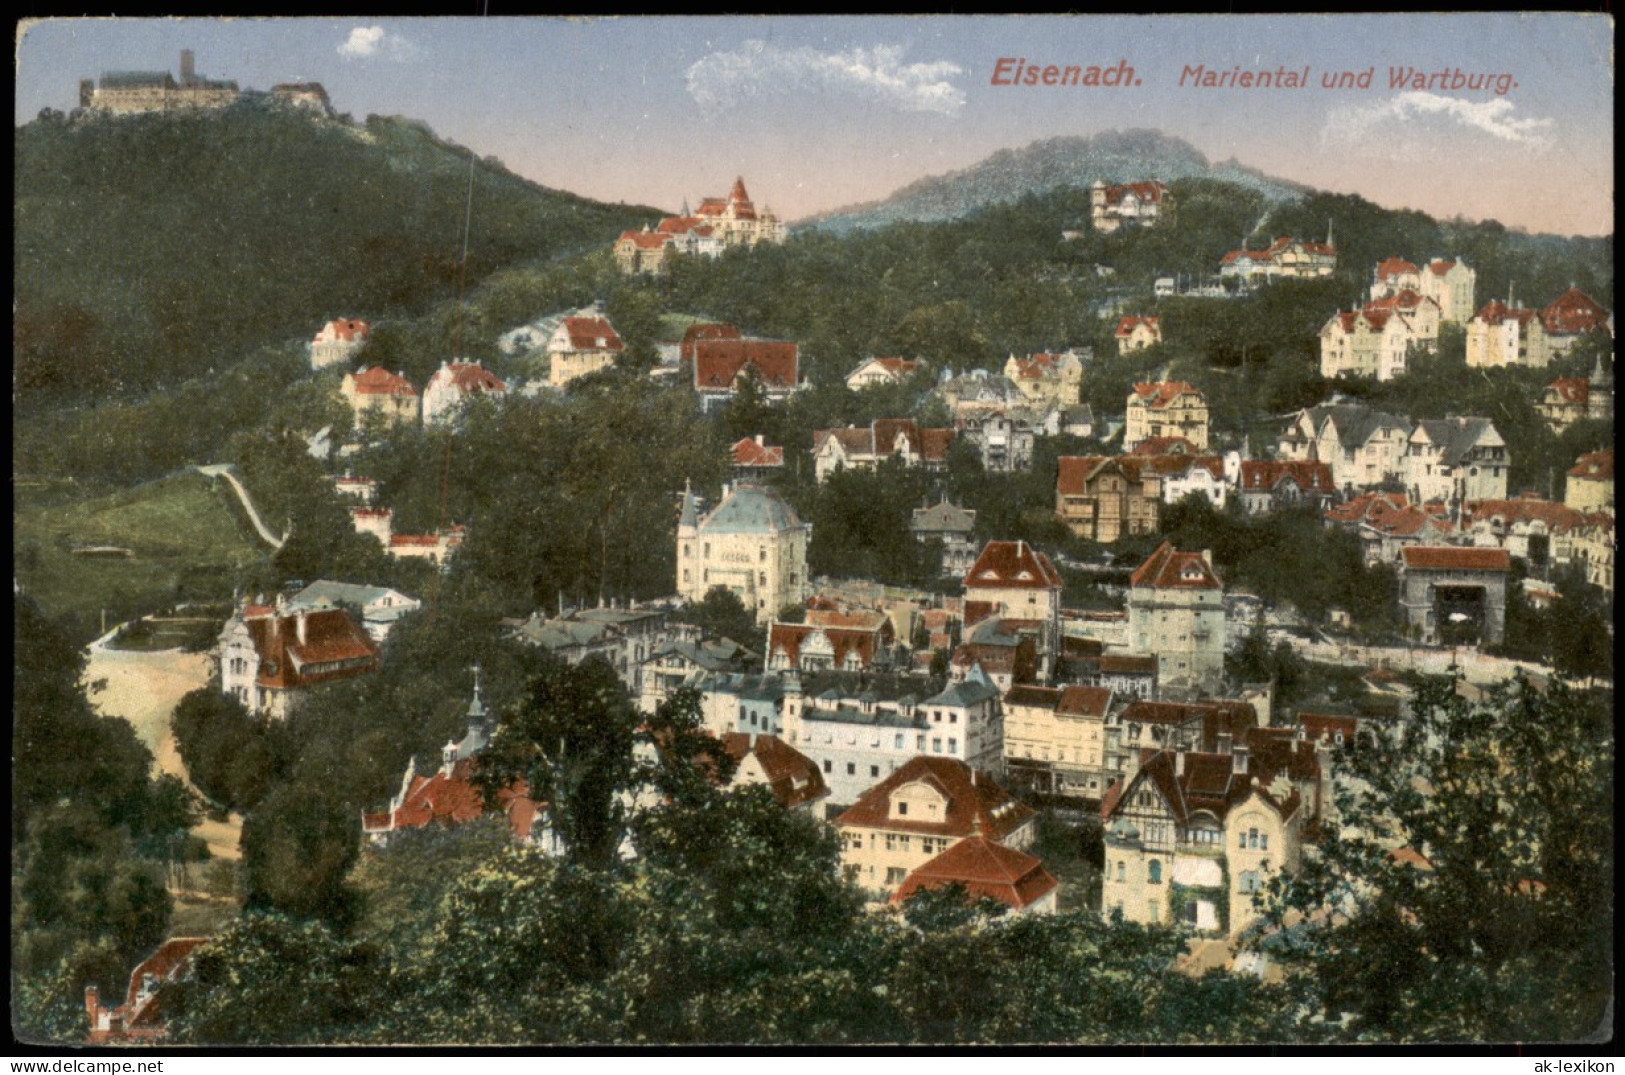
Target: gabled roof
(895, 368)
(168, 962)
(845, 642)
(344, 330)
(330, 637)
(793, 777)
(1084, 701)
(1127, 325)
(943, 517)
(972, 799)
(466, 378)
(704, 331)
(986, 869)
(718, 361)
(1168, 568)
(747, 452)
(1495, 312)
(1573, 313)
(1595, 466)
(1150, 191)
(646, 240)
(1165, 446)
(1575, 390)
(1266, 474)
(1451, 558)
(1006, 564)
(1388, 268)
(591, 334)
(1157, 395)
(1557, 517)
(1455, 437)
(377, 381)
(1406, 301)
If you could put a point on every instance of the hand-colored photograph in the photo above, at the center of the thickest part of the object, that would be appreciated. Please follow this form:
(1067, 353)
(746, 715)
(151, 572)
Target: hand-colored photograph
(813, 531)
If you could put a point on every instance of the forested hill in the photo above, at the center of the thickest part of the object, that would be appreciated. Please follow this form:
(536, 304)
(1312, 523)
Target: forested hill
(151, 248)
(1112, 156)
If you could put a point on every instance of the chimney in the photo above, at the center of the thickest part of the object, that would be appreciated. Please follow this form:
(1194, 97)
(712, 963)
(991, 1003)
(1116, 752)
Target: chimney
(299, 623)
(1179, 763)
(188, 67)
(1239, 759)
(752, 742)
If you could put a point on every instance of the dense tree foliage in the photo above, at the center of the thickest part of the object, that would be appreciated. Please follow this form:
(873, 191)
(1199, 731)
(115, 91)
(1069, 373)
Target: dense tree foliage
(1504, 932)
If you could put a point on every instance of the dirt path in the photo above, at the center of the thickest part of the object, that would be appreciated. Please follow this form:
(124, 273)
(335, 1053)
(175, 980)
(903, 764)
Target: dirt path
(144, 688)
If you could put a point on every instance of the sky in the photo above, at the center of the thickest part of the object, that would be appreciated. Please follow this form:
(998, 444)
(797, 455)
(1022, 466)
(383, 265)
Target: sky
(1503, 116)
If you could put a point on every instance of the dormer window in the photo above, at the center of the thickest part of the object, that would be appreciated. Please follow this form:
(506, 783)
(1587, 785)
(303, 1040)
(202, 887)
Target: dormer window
(902, 809)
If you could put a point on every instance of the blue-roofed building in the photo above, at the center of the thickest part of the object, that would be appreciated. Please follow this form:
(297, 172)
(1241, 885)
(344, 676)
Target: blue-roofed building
(751, 543)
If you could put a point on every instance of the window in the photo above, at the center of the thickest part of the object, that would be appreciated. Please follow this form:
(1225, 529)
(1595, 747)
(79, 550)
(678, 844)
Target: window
(953, 718)
(1264, 841)
(1156, 913)
(936, 745)
(891, 842)
(903, 842)
(899, 744)
(763, 557)
(902, 809)
(828, 768)
(953, 745)
(1252, 839)
(1154, 873)
(895, 875)
(874, 770)
(1122, 871)
(851, 768)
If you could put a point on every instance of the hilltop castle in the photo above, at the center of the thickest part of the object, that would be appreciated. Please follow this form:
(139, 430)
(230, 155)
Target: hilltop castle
(124, 93)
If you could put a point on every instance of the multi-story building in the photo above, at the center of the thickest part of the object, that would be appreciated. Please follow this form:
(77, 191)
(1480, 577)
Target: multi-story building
(128, 92)
(1388, 522)
(1149, 725)
(381, 607)
(861, 729)
(752, 543)
(834, 639)
(1284, 259)
(987, 870)
(453, 385)
(1016, 581)
(1453, 596)
(1365, 448)
(1048, 378)
(269, 655)
(718, 223)
(1451, 284)
(720, 363)
(1102, 499)
(579, 346)
(886, 438)
(1192, 837)
(920, 811)
(1591, 483)
(1379, 339)
(337, 341)
(1275, 485)
(625, 637)
(1501, 334)
(1456, 459)
(375, 390)
(1127, 205)
(951, 525)
(1166, 409)
(1571, 317)
(881, 371)
(1537, 531)
(1176, 611)
(1137, 333)
(1054, 738)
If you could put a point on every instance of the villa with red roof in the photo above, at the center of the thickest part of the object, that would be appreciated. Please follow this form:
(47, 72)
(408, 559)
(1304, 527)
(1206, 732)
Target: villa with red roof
(830, 639)
(754, 460)
(1054, 737)
(717, 224)
(1451, 596)
(268, 655)
(1380, 339)
(1501, 334)
(1014, 580)
(140, 1019)
(987, 870)
(337, 341)
(1193, 835)
(1538, 531)
(1125, 205)
(1286, 258)
(719, 365)
(1137, 333)
(886, 438)
(1176, 611)
(791, 776)
(375, 390)
(454, 384)
(1166, 409)
(1047, 378)
(579, 346)
(1268, 485)
(1388, 522)
(1570, 318)
(920, 811)
(1449, 283)
(881, 371)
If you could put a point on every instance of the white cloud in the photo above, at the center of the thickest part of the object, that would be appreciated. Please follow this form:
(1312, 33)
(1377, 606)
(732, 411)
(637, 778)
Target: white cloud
(366, 42)
(1494, 117)
(722, 79)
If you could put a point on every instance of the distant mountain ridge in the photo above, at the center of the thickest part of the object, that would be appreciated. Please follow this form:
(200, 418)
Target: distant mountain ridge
(1009, 174)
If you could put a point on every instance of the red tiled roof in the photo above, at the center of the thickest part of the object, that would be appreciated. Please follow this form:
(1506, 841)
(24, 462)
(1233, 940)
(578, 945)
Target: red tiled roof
(1406, 301)
(1450, 558)
(1596, 466)
(1150, 191)
(330, 637)
(793, 777)
(1409, 856)
(1127, 325)
(468, 377)
(1557, 517)
(1259, 474)
(171, 956)
(787, 638)
(1495, 311)
(1006, 564)
(1391, 267)
(346, 330)
(1122, 664)
(647, 240)
(1439, 266)
(970, 800)
(377, 381)
(1084, 701)
(591, 334)
(748, 453)
(1034, 697)
(986, 869)
(1571, 390)
(1327, 726)
(718, 361)
(1159, 394)
(1168, 568)
(704, 331)
(1572, 313)
(1165, 446)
